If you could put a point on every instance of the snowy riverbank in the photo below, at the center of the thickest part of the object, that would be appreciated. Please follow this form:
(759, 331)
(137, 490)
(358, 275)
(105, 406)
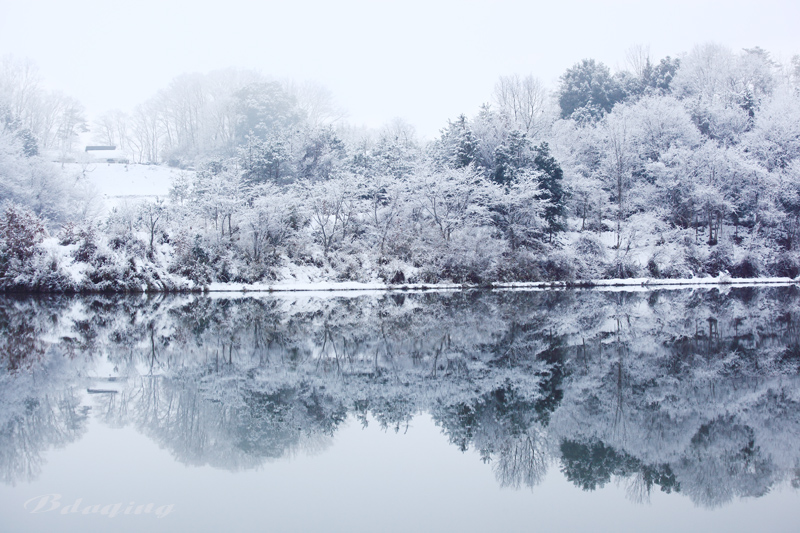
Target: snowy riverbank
(633, 283)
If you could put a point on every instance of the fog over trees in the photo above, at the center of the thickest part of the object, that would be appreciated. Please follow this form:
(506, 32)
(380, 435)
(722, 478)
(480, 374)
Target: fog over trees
(692, 392)
(672, 167)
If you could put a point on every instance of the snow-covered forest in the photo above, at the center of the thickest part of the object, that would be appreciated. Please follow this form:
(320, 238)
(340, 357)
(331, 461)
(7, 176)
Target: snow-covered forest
(693, 392)
(673, 167)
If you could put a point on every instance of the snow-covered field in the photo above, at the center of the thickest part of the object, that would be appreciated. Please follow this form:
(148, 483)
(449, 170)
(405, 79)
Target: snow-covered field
(118, 184)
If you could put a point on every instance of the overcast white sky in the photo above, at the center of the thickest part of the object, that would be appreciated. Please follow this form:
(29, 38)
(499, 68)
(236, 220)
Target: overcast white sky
(424, 61)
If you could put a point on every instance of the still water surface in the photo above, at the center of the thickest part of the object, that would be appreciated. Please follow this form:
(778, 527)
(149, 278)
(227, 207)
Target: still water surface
(674, 410)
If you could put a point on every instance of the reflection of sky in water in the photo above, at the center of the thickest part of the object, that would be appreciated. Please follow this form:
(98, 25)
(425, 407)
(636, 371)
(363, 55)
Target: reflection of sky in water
(675, 410)
(367, 480)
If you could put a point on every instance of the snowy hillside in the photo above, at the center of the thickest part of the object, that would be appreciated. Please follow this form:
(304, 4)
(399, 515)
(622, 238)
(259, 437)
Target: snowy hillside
(119, 183)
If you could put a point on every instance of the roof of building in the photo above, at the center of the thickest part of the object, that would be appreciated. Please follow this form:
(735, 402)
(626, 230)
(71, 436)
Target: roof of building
(94, 148)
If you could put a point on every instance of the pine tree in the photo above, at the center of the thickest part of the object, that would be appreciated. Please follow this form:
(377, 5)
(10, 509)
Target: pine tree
(511, 157)
(550, 184)
(457, 147)
(587, 87)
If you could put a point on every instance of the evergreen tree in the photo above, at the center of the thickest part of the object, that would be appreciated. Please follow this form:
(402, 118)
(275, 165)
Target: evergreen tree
(458, 146)
(263, 109)
(588, 90)
(550, 183)
(663, 73)
(323, 155)
(265, 160)
(511, 157)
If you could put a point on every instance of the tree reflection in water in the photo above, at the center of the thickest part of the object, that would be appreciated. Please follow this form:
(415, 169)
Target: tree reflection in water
(683, 391)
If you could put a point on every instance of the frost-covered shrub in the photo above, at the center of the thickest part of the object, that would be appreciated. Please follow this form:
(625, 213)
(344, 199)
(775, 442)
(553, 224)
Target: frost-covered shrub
(559, 265)
(254, 271)
(590, 256)
(129, 244)
(471, 257)
(68, 234)
(394, 272)
(348, 267)
(110, 271)
(623, 267)
(24, 264)
(720, 259)
(694, 259)
(471, 270)
(118, 271)
(520, 265)
(468, 268)
(20, 231)
(85, 236)
(46, 275)
(653, 270)
(786, 264)
(677, 270)
(668, 262)
(468, 258)
(401, 246)
(590, 245)
(223, 262)
(234, 268)
(749, 266)
(427, 273)
(107, 274)
(191, 259)
(350, 272)
(452, 268)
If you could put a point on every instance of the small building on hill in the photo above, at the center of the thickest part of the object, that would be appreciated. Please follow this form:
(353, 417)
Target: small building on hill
(107, 154)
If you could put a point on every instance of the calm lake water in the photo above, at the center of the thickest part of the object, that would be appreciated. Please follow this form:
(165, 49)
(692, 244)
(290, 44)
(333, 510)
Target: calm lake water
(659, 410)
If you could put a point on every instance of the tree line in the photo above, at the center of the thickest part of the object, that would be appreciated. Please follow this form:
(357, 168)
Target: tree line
(672, 167)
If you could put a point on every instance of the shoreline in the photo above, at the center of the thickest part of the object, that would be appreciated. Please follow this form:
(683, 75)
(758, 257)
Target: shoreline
(352, 287)
(633, 283)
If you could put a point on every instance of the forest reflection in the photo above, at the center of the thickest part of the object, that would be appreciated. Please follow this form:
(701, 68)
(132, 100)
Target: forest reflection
(692, 391)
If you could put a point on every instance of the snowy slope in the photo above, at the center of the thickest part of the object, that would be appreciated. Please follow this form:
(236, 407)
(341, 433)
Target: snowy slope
(118, 184)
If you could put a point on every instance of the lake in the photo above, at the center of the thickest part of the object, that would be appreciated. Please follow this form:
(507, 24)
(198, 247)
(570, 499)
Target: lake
(545, 410)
